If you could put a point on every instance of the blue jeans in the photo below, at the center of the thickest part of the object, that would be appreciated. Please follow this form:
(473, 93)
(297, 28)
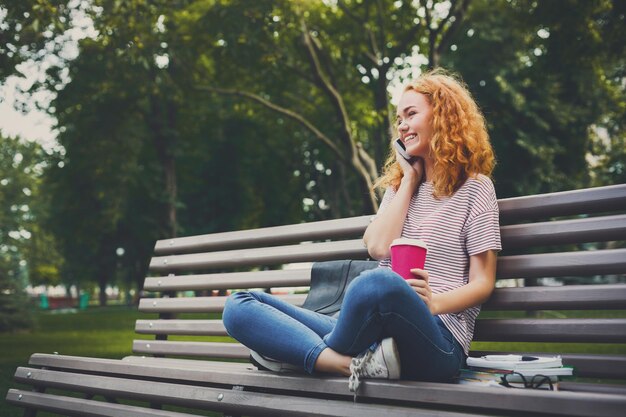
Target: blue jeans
(377, 304)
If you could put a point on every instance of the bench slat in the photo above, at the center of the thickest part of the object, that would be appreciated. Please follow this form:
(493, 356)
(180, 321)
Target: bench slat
(588, 387)
(597, 366)
(575, 297)
(565, 203)
(266, 236)
(598, 262)
(594, 229)
(500, 330)
(583, 263)
(418, 393)
(588, 201)
(70, 406)
(224, 281)
(199, 304)
(508, 266)
(551, 330)
(178, 363)
(309, 252)
(181, 327)
(206, 398)
(204, 349)
(587, 365)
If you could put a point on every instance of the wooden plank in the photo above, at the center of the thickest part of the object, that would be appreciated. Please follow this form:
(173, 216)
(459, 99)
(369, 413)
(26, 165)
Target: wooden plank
(178, 363)
(181, 327)
(194, 349)
(551, 330)
(597, 366)
(69, 406)
(225, 281)
(574, 297)
(586, 201)
(497, 400)
(267, 236)
(593, 229)
(217, 399)
(578, 263)
(566, 203)
(590, 387)
(199, 304)
(309, 252)
(548, 233)
(503, 330)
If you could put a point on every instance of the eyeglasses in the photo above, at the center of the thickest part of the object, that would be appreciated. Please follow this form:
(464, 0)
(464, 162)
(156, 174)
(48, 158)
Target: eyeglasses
(536, 382)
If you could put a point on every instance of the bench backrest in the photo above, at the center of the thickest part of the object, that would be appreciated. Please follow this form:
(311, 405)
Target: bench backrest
(572, 236)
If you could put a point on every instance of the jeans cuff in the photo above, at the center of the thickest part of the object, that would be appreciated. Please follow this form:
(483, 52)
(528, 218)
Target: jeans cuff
(311, 357)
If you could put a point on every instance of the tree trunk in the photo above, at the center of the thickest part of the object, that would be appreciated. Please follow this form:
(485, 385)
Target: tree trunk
(102, 284)
(370, 203)
(162, 122)
(381, 106)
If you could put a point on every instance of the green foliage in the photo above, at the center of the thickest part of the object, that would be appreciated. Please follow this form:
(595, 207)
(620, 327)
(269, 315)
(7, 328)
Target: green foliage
(198, 116)
(28, 27)
(551, 80)
(27, 252)
(160, 158)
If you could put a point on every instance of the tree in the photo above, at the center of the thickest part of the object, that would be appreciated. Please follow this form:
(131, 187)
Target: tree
(27, 251)
(28, 27)
(324, 67)
(129, 126)
(544, 75)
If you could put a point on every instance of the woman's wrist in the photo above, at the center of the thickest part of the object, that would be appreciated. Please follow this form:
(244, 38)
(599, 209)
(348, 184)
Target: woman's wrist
(434, 305)
(409, 181)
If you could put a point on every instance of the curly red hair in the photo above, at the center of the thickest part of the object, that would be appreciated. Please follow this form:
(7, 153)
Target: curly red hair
(460, 144)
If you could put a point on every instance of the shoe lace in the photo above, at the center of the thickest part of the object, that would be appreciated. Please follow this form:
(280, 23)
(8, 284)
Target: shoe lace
(357, 366)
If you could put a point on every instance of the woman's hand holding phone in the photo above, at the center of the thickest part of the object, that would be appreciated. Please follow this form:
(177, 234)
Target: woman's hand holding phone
(411, 165)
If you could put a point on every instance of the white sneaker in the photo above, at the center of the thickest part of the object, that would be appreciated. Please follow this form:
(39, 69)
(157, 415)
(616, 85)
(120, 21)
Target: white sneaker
(382, 363)
(265, 363)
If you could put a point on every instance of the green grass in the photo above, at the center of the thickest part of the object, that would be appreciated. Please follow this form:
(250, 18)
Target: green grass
(109, 332)
(96, 332)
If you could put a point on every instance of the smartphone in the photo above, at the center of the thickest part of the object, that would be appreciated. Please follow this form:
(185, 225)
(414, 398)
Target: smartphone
(399, 145)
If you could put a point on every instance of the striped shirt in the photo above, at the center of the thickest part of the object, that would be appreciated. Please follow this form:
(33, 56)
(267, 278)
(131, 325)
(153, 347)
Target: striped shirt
(454, 228)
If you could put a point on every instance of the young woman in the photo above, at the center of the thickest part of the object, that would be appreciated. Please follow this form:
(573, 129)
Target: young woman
(419, 328)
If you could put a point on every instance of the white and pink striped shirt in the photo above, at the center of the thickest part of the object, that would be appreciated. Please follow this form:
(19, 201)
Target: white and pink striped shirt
(454, 228)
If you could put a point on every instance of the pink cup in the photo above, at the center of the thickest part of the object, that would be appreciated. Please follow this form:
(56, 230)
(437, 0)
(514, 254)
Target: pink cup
(407, 254)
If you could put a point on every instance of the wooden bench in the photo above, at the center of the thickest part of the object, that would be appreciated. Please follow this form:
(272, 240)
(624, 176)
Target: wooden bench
(183, 372)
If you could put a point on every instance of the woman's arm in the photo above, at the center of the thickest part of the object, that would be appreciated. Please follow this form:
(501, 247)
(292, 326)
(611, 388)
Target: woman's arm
(388, 225)
(482, 278)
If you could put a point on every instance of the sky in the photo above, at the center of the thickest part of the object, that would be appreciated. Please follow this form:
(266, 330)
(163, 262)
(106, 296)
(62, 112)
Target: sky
(34, 124)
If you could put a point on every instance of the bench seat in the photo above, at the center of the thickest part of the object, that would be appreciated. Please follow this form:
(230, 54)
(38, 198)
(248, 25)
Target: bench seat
(191, 365)
(162, 379)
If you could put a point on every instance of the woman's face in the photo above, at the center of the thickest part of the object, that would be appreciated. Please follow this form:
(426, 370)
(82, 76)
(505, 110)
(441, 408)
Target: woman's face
(414, 123)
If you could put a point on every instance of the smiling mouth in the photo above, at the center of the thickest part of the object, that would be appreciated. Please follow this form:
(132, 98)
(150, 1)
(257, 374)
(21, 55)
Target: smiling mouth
(409, 138)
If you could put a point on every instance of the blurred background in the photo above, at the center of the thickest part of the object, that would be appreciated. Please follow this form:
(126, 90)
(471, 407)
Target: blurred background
(124, 122)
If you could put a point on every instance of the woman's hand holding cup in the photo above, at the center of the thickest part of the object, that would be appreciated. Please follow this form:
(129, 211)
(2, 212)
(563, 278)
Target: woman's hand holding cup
(421, 286)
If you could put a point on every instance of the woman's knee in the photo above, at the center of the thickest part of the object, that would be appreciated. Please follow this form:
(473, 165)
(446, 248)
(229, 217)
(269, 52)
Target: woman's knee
(378, 285)
(380, 281)
(233, 309)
